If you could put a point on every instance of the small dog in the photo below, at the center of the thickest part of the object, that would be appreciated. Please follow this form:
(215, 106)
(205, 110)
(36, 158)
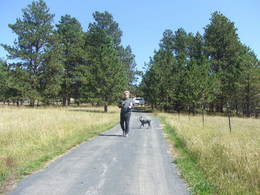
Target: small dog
(144, 121)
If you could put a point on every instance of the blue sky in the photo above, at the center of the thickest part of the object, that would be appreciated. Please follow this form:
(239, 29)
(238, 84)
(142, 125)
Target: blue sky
(143, 21)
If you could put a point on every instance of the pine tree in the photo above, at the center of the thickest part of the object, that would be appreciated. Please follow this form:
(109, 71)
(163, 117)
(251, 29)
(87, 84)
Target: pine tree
(166, 64)
(128, 59)
(51, 77)
(249, 87)
(191, 72)
(180, 50)
(12, 84)
(149, 85)
(108, 75)
(71, 39)
(34, 33)
(105, 21)
(223, 48)
(3, 80)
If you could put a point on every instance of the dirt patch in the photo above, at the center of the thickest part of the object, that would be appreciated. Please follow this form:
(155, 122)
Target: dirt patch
(171, 146)
(8, 185)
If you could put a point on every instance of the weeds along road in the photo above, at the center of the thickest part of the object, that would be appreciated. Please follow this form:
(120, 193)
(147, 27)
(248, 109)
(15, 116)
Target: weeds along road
(111, 164)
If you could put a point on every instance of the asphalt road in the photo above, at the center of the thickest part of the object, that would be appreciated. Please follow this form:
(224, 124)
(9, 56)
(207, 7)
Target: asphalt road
(111, 164)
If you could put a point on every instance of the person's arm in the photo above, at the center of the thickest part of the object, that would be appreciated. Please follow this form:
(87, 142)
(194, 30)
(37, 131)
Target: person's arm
(119, 104)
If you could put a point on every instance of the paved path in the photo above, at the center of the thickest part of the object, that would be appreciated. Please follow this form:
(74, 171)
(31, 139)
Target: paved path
(111, 165)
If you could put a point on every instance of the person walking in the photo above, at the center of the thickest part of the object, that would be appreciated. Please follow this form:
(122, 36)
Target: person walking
(126, 106)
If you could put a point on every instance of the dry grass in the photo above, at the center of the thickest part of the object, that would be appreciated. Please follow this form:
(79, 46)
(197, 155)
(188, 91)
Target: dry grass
(29, 137)
(231, 161)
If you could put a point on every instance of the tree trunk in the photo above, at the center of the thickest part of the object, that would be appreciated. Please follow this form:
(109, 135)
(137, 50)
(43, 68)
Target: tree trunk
(248, 99)
(105, 108)
(193, 109)
(65, 101)
(256, 113)
(189, 112)
(220, 107)
(220, 103)
(229, 122)
(203, 118)
(32, 101)
(211, 107)
(236, 108)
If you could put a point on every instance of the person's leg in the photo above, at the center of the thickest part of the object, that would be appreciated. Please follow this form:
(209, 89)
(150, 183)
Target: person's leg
(127, 122)
(122, 123)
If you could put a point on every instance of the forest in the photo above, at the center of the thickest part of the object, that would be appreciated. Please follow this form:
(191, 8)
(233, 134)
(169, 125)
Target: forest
(55, 63)
(213, 72)
(52, 64)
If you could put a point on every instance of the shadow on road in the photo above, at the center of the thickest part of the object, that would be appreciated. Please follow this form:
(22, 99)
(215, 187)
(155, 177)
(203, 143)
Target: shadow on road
(114, 135)
(142, 110)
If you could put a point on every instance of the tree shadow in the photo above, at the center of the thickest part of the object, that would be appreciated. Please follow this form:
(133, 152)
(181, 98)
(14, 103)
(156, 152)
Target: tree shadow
(89, 110)
(110, 135)
(142, 110)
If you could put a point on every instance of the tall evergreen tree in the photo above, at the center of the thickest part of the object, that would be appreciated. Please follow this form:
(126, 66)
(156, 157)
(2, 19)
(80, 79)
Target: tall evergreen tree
(31, 49)
(105, 21)
(249, 89)
(109, 77)
(194, 71)
(179, 73)
(71, 39)
(167, 67)
(149, 85)
(223, 48)
(128, 59)
(11, 87)
(51, 77)
(180, 50)
(3, 80)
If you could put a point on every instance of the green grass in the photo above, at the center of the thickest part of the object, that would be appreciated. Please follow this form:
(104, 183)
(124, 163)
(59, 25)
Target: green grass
(190, 170)
(213, 160)
(31, 137)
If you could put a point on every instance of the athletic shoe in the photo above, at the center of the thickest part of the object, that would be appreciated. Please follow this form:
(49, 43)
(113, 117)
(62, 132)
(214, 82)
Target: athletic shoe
(126, 134)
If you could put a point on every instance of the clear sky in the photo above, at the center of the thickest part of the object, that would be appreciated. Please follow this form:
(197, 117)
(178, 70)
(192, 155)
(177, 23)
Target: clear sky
(143, 21)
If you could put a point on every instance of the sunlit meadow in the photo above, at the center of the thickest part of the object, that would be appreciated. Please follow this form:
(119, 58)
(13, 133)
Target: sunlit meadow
(230, 161)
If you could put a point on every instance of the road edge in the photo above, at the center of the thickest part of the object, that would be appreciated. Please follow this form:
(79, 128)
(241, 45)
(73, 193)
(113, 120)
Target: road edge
(188, 168)
(11, 183)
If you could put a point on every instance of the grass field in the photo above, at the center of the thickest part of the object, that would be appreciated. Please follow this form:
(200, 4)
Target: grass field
(229, 161)
(31, 136)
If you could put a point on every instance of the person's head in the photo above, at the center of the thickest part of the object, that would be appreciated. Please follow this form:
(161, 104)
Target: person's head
(126, 94)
